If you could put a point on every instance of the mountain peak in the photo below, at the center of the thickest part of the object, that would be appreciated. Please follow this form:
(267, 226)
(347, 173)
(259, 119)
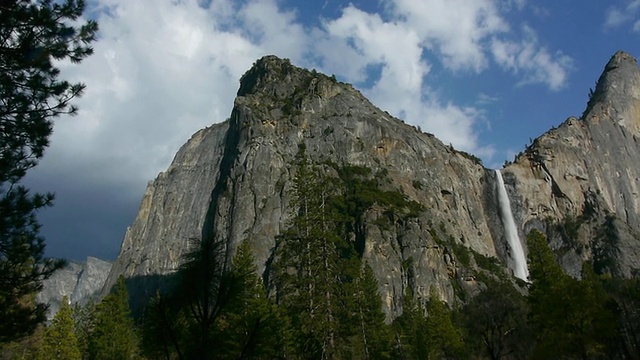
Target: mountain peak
(276, 82)
(263, 74)
(618, 87)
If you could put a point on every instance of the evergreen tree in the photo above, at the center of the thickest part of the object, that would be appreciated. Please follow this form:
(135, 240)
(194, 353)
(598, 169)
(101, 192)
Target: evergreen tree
(495, 321)
(83, 325)
(33, 34)
(370, 337)
(249, 326)
(215, 312)
(571, 318)
(27, 347)
(60, 340)
(546, 297)
(444, 339)
(114, 336)
(308, 263)
(626, 294)
(593, 316)
(331, 298)
(410, 330)
(205, 291)
(164, 328)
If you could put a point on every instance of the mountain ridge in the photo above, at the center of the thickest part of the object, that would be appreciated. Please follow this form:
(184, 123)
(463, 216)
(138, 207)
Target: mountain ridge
(80, 281)
(233, 181)
(587, 164)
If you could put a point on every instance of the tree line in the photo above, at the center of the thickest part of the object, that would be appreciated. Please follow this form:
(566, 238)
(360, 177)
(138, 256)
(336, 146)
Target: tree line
(321, 300)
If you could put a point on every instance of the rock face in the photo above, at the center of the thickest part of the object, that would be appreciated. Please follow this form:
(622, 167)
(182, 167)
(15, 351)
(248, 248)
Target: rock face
(587, 170)
(79, 281)
(234, 180)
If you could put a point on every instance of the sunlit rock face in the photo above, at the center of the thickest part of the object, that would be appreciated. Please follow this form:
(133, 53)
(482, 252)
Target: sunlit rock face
(234, 180)
(587, 170)
(79, 281)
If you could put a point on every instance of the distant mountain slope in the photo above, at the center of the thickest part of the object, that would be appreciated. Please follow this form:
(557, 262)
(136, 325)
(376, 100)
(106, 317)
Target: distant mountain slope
(79, 281)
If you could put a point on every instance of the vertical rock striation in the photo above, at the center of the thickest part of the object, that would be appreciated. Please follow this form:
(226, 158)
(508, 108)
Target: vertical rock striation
(586, 171)
(233, 181)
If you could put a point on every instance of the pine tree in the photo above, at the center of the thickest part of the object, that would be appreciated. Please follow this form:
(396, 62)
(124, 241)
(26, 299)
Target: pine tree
(331, 298)
(626, 294)
(250, 325)
(34, 35)
(546, 296)
(114, 335)
(206, 288)
(370, 337)
(308, 262)
(164, 328)
(27, 347)
(410, 330)
(571, 318)
(495, 321)
(83, 325)
(60, 340)
(444, 339)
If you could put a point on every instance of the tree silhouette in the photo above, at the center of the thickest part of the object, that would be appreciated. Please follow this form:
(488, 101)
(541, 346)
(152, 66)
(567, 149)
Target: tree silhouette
(33, 35)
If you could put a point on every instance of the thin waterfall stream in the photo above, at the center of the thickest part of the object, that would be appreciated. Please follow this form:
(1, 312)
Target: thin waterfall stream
(519, 260)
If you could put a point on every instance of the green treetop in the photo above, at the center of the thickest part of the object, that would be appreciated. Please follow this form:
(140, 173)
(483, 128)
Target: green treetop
(114, 336)
(59, 341)
(443, 337)
(34, 35)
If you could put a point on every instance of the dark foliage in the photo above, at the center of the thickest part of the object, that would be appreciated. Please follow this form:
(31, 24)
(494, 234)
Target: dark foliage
(33, 34)
(495, 321)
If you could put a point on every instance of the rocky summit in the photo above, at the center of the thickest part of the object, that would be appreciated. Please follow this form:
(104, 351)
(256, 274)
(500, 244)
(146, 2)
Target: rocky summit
(234, 181)
(583, 177)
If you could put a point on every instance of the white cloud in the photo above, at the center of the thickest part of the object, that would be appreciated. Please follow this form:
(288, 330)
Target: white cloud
(163, 69)
(276, 31)
(373, 41)
(357, 41)
(361, 41)
(536, 64)
(618, 16)
(486, 99)
(615, 17)
(457, 29)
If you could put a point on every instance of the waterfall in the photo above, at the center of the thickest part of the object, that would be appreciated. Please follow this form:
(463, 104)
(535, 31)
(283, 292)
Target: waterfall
(511, 232)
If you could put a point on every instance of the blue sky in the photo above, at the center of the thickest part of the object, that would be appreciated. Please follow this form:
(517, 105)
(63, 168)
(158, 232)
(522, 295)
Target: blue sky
(483, 75)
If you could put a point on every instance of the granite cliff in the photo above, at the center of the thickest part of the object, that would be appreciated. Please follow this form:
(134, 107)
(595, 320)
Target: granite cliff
(80, 281)
(234, 180)
(580, 181)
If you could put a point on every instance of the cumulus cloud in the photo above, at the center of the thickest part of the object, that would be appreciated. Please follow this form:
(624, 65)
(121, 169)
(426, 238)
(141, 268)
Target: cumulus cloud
(534, 62)
(617, 16)
(457, 29)
(362, 41)
(162, 69)
(397, 48)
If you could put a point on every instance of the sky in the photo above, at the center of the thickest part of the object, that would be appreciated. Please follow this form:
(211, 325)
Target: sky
(486, 76)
